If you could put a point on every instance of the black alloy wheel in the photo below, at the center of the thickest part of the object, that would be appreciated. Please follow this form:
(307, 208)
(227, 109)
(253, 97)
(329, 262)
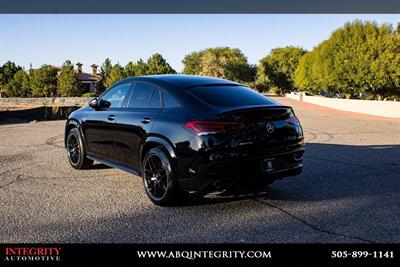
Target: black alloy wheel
(76, 151)
(158, 179)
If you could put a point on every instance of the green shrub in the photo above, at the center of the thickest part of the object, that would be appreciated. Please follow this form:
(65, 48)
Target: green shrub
(260, 87)
(89, 95)
(275, 90)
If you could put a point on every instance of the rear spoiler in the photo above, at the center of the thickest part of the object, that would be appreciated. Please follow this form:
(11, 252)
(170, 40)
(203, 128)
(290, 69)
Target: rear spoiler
(248, 108)
(214, 84)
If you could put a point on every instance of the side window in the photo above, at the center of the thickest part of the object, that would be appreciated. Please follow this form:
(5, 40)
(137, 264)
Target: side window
(155, 101)
(116, 96)
(169, 101)
(143, 96)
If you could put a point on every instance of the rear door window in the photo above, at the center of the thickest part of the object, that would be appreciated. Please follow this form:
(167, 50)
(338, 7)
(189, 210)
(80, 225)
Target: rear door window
(229, 96)
(141, 95)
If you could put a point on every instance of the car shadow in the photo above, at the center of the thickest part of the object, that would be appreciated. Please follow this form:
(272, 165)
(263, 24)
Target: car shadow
(99, 166)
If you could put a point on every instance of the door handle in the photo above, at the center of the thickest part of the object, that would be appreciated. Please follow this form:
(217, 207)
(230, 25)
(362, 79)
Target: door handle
(111, 117)
(146, 120)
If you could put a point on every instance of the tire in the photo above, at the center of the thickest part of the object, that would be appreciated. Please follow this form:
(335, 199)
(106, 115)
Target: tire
(158, 179)
(76, 151)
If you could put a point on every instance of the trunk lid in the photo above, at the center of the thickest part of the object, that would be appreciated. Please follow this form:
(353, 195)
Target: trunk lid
(265, 126)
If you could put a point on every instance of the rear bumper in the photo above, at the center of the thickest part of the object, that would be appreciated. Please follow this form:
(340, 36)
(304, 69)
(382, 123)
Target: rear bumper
(224, 172)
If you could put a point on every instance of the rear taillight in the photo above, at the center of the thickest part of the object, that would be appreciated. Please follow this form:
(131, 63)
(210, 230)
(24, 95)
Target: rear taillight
(292, 120)
(201, 127)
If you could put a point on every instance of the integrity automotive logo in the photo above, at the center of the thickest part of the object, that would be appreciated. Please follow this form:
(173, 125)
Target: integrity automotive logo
(32, 254)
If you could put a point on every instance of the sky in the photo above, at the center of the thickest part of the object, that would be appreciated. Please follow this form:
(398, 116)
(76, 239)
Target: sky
(51, 39)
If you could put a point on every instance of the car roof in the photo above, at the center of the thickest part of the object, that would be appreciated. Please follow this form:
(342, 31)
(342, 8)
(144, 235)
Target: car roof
(183, 81)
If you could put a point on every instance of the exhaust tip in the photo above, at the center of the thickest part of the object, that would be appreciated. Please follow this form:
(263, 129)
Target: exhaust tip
(216, 156)
(298, 156)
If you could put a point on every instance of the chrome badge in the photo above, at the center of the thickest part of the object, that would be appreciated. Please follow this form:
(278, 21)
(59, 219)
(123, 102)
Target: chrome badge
(270, 128)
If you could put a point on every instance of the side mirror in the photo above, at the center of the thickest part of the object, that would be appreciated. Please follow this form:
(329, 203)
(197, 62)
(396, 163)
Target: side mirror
(105, 104)
(94, 103)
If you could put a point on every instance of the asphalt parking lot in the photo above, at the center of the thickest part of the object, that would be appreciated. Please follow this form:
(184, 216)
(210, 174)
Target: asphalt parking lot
(348, 192)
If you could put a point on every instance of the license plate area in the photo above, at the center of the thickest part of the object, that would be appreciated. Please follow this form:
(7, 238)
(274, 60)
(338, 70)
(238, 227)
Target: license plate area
(268, 165)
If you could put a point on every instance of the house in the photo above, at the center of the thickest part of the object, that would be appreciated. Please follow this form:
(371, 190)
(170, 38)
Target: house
(88, 80)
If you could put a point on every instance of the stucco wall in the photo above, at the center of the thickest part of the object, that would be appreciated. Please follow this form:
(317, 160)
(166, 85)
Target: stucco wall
(294, 96)
(373, 107)
(45, 101)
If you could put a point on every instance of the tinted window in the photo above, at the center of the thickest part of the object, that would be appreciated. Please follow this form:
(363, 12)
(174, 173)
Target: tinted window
(117, 95)
(141, 95)
(229, 96)
(155, 101)
(169, 101)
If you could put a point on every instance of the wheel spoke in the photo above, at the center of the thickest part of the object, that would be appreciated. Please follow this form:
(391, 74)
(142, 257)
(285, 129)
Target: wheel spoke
(164, 186)
(151, 165)
(155, 186)
(155, 176)
(73, 149)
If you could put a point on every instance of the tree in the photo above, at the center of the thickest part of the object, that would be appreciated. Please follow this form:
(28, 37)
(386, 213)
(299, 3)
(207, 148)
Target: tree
(67, 81)
(381, 78)
(136, 69)
(129, 69)
(192, 63)
(313, 73)
(350, 57)
(104, 72)
(156, 64)
(19, 86)
(358, 58)
(262, 81)
(277, 69)
(7, 72)
(214, 63)
(116, 74)
(105, 68)
(140, 68)
(221, 62)
(44, 81)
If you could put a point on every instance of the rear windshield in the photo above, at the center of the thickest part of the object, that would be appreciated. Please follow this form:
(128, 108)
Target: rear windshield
(232, 96)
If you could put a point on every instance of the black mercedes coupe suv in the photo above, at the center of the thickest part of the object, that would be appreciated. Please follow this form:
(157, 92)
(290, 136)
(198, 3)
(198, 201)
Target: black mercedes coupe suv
(186, 133)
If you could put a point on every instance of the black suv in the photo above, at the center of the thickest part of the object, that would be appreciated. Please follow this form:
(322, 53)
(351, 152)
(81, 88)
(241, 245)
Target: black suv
(186, 133)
